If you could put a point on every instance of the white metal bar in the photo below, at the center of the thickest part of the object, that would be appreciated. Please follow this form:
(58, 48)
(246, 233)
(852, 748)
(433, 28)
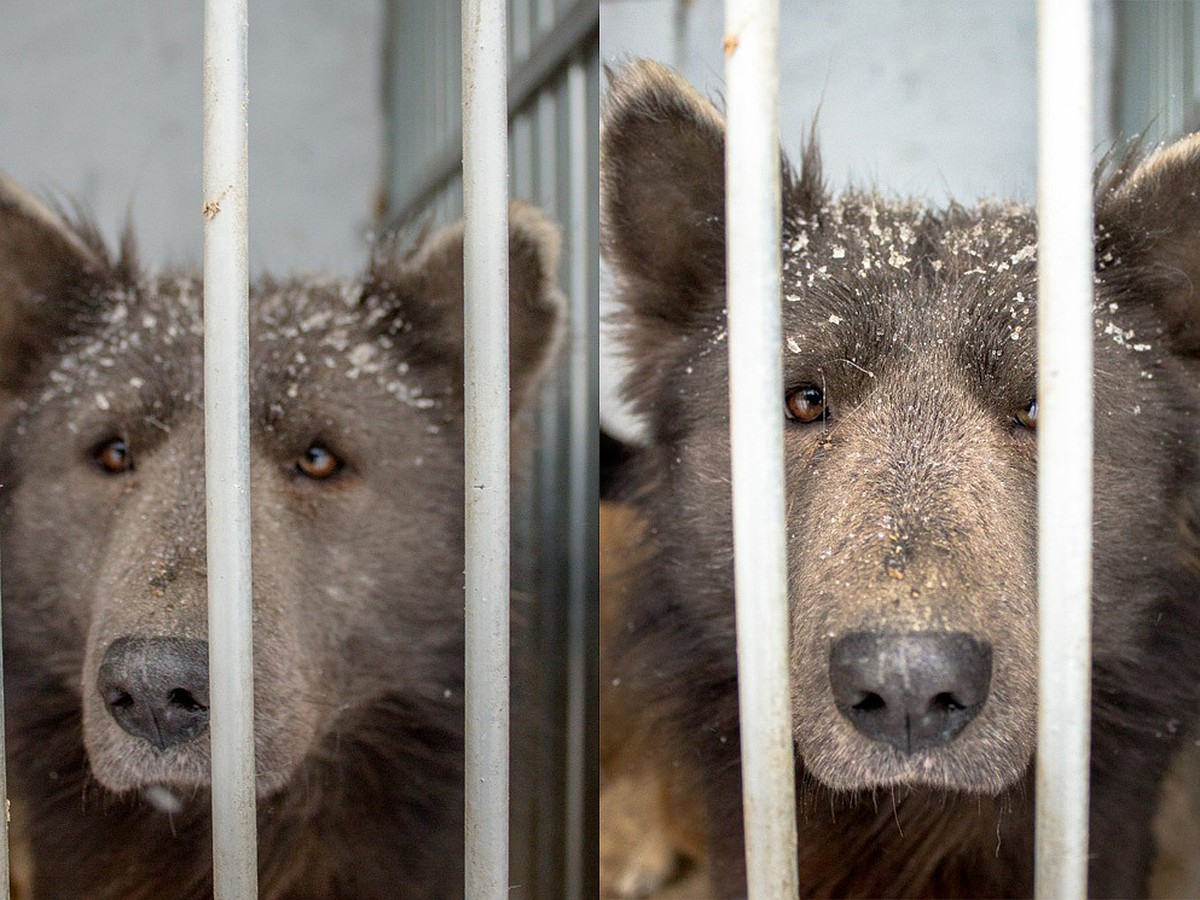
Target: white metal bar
(485, 278)
(752, 173)
(1065, 266)
(227, 449)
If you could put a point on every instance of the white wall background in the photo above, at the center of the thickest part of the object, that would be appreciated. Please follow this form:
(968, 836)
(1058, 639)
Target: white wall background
(926, 98)
(100, 102)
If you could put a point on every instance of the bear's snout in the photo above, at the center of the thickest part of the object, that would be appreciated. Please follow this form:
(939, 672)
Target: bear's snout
(912, 691)
(156, 688)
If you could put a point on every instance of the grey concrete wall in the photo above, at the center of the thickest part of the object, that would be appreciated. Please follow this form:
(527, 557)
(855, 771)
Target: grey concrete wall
(930, 98)
(100, 102)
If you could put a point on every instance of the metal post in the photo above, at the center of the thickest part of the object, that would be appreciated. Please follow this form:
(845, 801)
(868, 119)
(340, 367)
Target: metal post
(1065, 266)
(752, 170)
(584, 426)
(227, 450)
(485, 278)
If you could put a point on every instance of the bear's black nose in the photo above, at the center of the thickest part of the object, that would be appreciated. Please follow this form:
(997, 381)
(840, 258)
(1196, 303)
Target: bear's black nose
(913, 690)
(157, 688)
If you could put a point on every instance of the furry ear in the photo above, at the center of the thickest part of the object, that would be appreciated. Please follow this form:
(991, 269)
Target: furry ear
(662, 177)
(662, 202)
(1148, 237)
(428, 288)
(48, 271)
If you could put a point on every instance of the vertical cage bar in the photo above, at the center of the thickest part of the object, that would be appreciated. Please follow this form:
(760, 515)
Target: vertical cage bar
(522, 155)
(752, 177)
(485, 277)
(1065, 267)
(584, 425)
(434, 37)
(227, 449)
(548, 512)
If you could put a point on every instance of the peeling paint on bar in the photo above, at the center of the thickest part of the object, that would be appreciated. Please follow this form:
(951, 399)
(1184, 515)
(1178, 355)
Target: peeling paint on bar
(227, 449)
(485, 278)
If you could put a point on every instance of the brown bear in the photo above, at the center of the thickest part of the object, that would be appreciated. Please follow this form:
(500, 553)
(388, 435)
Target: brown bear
(909, 397)
(356, 461)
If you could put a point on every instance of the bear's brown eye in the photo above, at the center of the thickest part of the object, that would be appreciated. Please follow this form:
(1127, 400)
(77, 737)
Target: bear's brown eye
(113, 456)
(318, 463)
(1028, 416)
(807, 404)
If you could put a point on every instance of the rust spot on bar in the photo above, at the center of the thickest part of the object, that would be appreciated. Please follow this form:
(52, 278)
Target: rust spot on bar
(211, 208)
(730, 44)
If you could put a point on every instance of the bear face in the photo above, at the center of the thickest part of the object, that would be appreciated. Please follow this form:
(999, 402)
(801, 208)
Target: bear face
(909, 400)
(357, 537)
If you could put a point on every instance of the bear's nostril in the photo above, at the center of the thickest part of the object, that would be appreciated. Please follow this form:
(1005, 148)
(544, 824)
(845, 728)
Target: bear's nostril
(156, 688)
(185, 700)
(869, 702)
(946, 703)
(912, 691)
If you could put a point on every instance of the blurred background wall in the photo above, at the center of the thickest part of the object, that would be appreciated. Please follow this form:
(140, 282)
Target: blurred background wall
(100, 103)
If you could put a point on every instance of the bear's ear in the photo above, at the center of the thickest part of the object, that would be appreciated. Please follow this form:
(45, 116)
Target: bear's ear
(427, 286)
(48, 273)
(662, 178)
(1148, 237)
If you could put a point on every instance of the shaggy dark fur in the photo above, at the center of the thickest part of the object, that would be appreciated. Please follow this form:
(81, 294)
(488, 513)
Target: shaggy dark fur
(356, 462)
(911, 495)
